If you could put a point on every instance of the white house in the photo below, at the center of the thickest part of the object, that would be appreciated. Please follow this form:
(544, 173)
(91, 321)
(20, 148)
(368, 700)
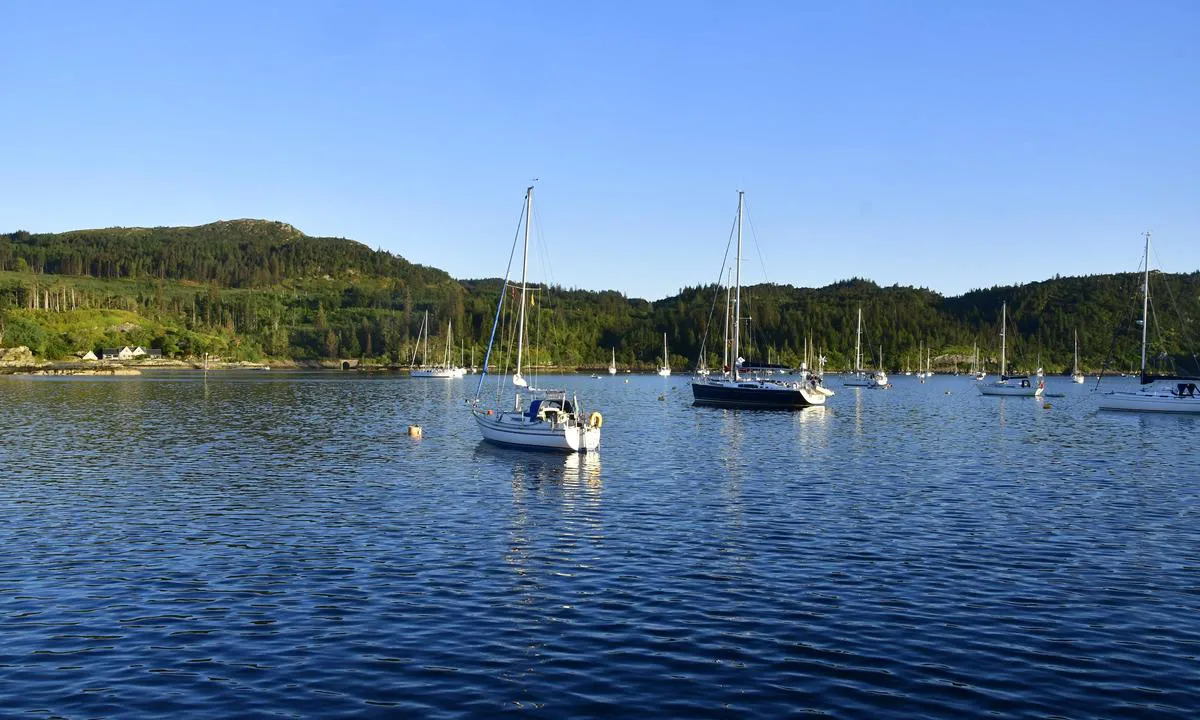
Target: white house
(123, 353)
(89, 355)
(138, 351)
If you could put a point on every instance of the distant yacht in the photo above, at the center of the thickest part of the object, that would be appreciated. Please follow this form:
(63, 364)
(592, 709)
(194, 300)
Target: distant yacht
(744, 390)
(665, 368)
(1158, 393)
(1023, 386)
(612, 365)
(976, 368)
(860, 377)
(445, 370)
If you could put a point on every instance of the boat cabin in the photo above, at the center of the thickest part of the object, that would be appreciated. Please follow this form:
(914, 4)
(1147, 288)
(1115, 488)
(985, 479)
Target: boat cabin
(551, 409)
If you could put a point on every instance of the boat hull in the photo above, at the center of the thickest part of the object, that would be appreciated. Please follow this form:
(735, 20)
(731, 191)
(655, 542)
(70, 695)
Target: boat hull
(859, 379)
(436, 373)
(1159, 401)
(757, 394)
(1010, 390)
(517, 431)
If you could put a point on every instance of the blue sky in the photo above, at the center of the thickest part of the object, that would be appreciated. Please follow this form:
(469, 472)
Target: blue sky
(948, 145)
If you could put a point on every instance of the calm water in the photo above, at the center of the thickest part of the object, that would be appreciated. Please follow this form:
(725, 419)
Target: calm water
(276, 545)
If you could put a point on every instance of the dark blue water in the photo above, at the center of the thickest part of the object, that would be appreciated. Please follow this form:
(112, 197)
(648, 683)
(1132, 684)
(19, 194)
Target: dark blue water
(276, 545)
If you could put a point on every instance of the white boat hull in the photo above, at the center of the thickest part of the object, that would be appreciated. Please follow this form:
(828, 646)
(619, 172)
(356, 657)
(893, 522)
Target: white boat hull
(515, 429)
(1002, 388)
(438, 373)
(664, 372)
(1156, 400)
(876, 380)
(1078, 378)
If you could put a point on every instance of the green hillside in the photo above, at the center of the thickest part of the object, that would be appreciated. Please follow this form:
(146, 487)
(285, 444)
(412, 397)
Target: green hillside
(251, 289)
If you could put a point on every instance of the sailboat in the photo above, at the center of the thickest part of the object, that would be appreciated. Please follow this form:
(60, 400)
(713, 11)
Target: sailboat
(1158, 393)
(879, 376)
(443, 371)
(612, 364)
(1076, 376)
(860, 377)
(1023, 387)
(665, 369)
(551, 420)
(977, 369)
(735, 389)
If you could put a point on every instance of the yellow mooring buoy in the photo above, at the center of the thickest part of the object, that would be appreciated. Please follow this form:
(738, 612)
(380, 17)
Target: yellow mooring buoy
(414, 431)
(1047, 406)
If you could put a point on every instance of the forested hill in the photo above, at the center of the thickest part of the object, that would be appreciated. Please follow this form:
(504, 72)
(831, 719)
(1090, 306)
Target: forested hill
(251, 288)
(230, 253)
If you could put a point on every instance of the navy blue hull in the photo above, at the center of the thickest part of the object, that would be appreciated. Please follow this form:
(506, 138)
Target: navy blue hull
(743, 397)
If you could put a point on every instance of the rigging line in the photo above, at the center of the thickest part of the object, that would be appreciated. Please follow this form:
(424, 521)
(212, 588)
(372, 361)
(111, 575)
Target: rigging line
(1178, 307)
(542, 252)
(503, 286)
(1130, 319)
(757, 248)
(717, 288)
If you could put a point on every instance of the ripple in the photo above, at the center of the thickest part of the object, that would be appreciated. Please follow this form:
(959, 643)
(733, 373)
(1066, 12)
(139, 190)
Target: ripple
(263, 546)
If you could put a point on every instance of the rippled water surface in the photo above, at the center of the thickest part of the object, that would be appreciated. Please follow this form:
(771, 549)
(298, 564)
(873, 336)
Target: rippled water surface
(255, 545)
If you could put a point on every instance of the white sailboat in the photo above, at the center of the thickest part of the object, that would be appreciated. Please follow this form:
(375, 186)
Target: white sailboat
(612, 364)
(737, 390)
(1158, 393)
(665, 369)
(860, 377)
(1023, 386)
(879, 376)
(551, 420)
(424, 370)
(977, 369)
(1076, 376)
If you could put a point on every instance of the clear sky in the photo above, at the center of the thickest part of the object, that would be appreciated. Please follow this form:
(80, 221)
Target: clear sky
(943, 144)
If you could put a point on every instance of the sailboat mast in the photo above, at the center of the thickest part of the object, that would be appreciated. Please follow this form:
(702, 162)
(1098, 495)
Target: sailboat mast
(1003, 323)
(858, 344)
(1145, 301)
(425, 332)
(737, 298)
(524, 271)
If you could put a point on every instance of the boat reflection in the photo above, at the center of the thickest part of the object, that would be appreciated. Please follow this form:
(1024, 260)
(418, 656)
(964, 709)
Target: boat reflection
(811, 426)
(571, 471)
